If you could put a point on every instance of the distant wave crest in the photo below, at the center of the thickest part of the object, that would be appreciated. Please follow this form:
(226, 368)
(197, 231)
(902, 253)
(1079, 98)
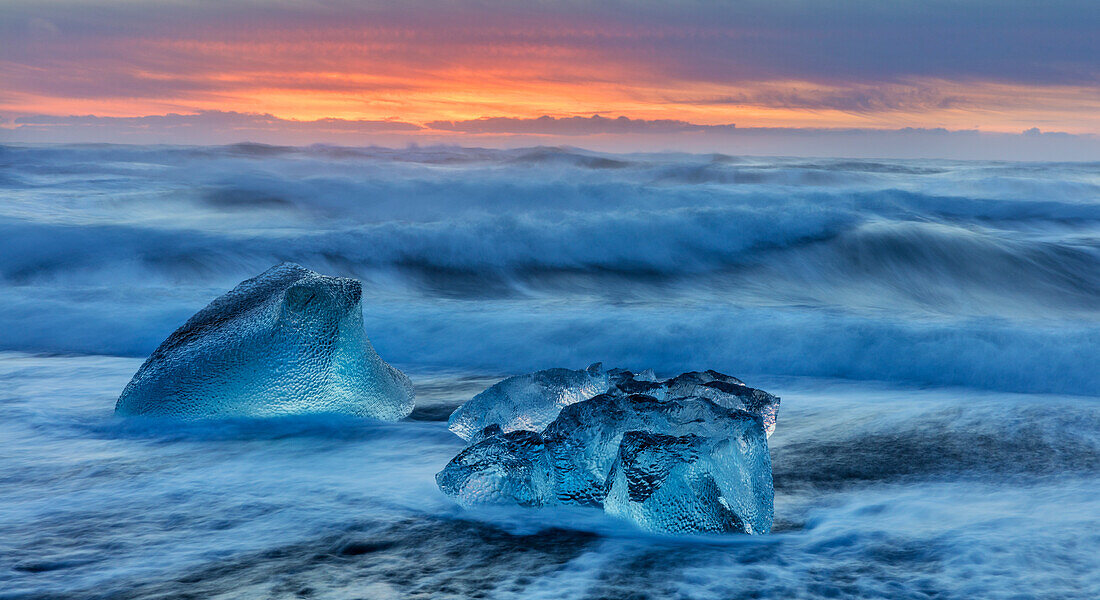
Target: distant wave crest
(982, 274)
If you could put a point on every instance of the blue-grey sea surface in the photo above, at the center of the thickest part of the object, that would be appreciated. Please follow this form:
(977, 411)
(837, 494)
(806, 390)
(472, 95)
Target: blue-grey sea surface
(933, 328)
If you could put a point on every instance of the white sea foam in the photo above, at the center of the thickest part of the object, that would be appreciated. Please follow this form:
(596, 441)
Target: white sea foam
(881, 490)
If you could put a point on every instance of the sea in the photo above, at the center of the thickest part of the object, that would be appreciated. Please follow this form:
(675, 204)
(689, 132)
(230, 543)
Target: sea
(932, 327)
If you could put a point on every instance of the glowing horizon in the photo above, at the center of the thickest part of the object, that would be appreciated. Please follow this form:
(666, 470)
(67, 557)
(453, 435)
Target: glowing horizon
(778, 65)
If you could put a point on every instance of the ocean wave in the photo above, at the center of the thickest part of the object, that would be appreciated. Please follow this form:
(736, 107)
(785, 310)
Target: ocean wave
(822, 256)
(935, 268)
(978, 274)
(681, 240)
(515, 336)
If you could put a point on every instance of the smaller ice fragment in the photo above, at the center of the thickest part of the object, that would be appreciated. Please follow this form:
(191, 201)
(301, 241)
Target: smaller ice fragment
(727, 391)
(503, 468)
(683, 455)
(533, 401)
(689, 484)
(527, 402)
(584, 439)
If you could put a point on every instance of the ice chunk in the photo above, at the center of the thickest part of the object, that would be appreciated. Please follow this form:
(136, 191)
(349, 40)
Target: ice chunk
(692, 484)
(727, 391)
(527, 402)
(503, 468)
(688, 454)
(584, 439)
(288, 341)
(532, 401)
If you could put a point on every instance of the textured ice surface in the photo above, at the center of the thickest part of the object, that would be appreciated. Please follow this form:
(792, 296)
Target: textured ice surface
(691, 484)
(503, 468)
(532, 401)
(676, 465)
(288, 341)
(723, 389)
(527, 402)
(585, 438)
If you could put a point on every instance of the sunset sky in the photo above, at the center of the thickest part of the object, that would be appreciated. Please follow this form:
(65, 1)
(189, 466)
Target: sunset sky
(468, 72)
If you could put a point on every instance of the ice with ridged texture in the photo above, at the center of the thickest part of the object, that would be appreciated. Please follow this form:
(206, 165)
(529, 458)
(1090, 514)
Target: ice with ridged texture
(723, 389)
(693, 484)
(585, 438)
(527, 402)
(502, 468)
(683, 455)
(530, 402)
(287, 342)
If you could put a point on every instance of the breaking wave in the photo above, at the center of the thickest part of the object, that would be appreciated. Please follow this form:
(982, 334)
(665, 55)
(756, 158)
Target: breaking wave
(959, 273)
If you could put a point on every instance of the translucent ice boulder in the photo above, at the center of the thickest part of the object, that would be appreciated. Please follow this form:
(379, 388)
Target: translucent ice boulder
(683, 455)
(685, 465)
(584, 440)
(724, 390)
(693, 484)
(532, 401)
(286, 342)
(527, 402)
(503, 468)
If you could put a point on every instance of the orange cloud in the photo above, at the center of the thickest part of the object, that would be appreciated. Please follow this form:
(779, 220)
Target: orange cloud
(422, 64)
